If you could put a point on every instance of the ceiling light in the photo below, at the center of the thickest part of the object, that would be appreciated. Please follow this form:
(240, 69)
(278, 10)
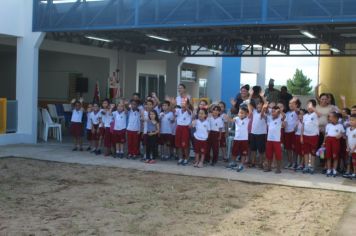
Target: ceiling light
(216, 51)
(158, 37)
(99, 39)
(335, 50)
(257, 46)
(308, 34)
(69, 1)
(165, 51)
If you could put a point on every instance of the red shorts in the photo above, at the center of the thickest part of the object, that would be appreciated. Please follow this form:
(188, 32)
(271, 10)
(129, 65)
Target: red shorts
(310, 144)
(200, 146)
(354, 160)
(289, 139)
(223, 140)
(273, 148)
(102, 131)
(282, 135)
(182, 136)
(165, 139)
(89, 135)
(240, 148)
(119, 136)
(76, 129)
(332, 148)
(107, 137)
(298, 146)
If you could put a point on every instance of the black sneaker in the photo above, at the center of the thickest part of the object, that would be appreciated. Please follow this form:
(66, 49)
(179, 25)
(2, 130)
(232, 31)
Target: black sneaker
(98, 152)
(75, 149)
(81, 149)
(88, 148)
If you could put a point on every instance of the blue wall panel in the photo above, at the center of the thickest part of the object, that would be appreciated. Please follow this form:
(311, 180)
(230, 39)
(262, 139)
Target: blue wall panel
(67, 15)
(230, 82)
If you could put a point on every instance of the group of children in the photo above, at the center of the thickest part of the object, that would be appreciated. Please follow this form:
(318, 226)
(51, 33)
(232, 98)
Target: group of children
(260, 130)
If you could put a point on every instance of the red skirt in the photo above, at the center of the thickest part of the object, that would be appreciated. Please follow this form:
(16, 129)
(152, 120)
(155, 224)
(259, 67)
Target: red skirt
(107, 138)
(332, 148)
(182, 136)
(165, 139)
(289, 139)
(119, 136)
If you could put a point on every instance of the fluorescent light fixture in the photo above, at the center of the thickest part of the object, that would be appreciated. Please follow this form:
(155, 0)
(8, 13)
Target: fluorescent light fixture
(165, 51)
(335, 50)
(69, 1)
(99, 39)
(308, 34)
(216, 51)
(158, 37)
(257, 46)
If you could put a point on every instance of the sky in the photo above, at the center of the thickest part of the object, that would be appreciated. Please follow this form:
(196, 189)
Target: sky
(283, 68)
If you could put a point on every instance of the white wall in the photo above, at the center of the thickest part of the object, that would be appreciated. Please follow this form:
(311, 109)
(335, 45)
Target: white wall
(256, 65)
(12, 16)
(203, 61)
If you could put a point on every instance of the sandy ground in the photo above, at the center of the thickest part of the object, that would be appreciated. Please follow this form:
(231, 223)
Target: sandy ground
(47, 198)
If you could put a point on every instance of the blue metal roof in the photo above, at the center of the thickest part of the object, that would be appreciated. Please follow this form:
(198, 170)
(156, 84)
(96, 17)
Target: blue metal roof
(75, 15)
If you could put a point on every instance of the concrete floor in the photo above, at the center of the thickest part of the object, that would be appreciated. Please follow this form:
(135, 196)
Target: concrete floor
(54, 151)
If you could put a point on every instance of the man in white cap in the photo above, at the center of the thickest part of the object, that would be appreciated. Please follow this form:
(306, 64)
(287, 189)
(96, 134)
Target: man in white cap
(272, 94)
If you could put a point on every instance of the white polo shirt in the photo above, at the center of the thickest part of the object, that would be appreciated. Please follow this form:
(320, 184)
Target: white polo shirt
(134, 122)
(274, 129)
(183, 118)
(241, 129)
(202, 129)
(332, 130)
(120, 120)
(351, 137)
(311, 124)
(179, 100)
(259, 124)
(166, 119)
(216, 124)
(89, 123)
(107, 118)
(145, 119)
(77, 116)
(291, 121)
(95, 117)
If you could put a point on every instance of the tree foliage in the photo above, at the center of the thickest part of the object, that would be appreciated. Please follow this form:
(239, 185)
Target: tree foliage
(300, 84)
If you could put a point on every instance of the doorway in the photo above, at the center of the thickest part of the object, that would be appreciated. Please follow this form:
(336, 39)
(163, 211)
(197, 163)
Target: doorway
(149, 83)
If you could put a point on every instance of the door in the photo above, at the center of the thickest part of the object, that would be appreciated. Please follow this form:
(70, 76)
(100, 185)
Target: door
(148, 84)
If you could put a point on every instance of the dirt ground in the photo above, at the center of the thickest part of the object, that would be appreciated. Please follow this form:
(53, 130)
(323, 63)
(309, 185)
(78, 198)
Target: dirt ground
(47, 198)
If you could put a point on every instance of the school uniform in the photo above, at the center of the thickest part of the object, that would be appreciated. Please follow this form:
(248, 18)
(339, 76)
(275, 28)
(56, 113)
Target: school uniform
(144, 131)
(95, 120)
(298, 146)
(120, 120)
(273, 145)
(222, 143)
(289, 130)
(76, 126)
(88, 127)
(240, 145)
(311, 133)
(201, 135)
(107, 118)
(101, 125)
(184, 120)
(351, 140)
(133, 132)
(258, 132)
(215, 134)
(166, 120)
(332, 143)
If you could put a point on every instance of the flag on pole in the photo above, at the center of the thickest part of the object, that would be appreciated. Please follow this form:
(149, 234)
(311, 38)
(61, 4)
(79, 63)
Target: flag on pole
(96, 93)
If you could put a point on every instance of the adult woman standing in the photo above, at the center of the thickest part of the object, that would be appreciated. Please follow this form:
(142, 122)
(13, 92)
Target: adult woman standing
(182, 95)
(240, 99)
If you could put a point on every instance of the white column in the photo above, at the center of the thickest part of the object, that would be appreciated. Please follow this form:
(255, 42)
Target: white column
(27, 84)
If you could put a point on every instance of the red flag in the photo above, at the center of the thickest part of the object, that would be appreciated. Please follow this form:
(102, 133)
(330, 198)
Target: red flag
(96, 93)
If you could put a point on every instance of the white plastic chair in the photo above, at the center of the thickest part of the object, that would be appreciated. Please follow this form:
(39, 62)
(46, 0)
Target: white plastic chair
(67, 107)
(39, 124)
(53, 112)
(230, 141)
(48, 123)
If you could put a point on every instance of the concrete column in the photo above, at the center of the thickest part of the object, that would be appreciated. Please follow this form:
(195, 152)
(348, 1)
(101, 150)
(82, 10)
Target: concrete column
(27, 84)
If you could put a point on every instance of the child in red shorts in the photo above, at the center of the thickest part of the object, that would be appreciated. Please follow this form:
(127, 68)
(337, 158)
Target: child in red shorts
(333, 132)
(310, 136)
(275, 123)
(240, 145)
(298, 145)
(165, 140)
(351, 142)
(120, 119)
(107, 118)
(76, 126)
(201, 134)
(183, 116)
(215, 135)
(88, 125)
(289, 133)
